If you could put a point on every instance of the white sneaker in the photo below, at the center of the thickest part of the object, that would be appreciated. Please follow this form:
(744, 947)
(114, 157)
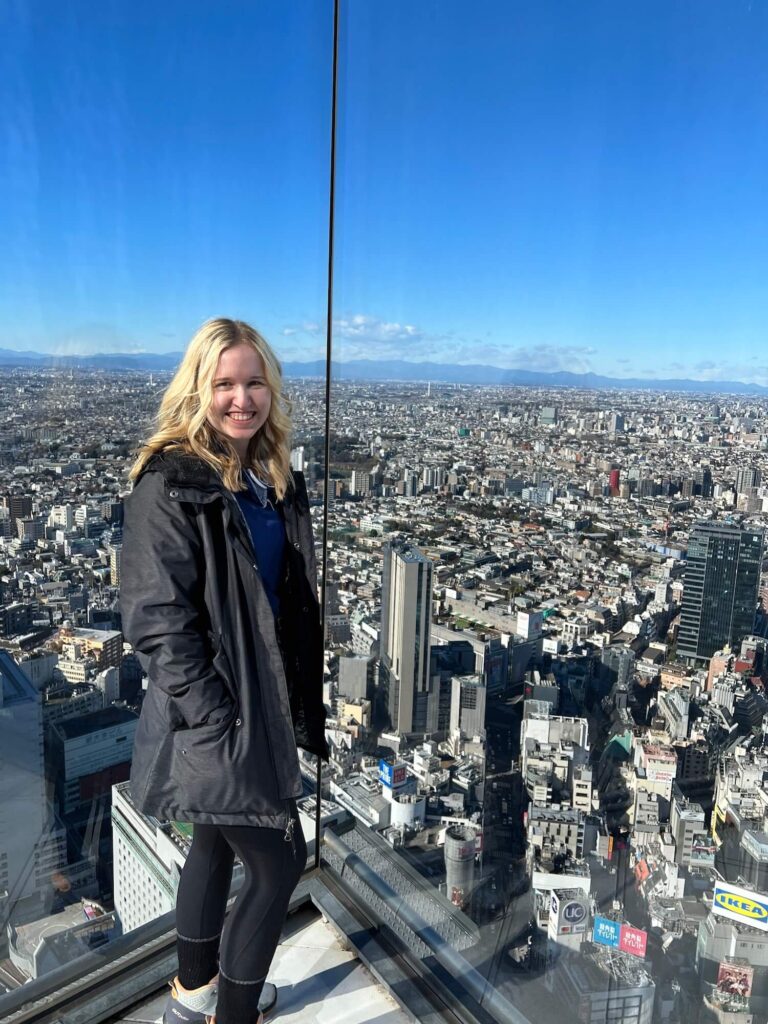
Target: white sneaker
(191, 1006)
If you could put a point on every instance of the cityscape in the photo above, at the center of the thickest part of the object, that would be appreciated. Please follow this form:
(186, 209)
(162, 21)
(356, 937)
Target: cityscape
(546, 613)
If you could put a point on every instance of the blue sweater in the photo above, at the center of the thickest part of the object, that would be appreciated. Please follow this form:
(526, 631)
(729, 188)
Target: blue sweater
(267, 533)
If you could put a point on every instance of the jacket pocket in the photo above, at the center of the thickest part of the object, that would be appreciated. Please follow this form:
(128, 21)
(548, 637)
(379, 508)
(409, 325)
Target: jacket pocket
(223, 665)
(202, 764)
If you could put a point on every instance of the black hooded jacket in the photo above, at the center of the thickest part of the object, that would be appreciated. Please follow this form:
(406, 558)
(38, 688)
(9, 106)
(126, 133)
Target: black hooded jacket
(232, 691)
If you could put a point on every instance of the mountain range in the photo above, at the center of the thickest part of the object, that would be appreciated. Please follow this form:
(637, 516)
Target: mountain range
(397, 370)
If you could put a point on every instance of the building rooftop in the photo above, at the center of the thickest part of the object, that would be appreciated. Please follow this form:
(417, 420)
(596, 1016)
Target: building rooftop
(95, 635)
(104, 718)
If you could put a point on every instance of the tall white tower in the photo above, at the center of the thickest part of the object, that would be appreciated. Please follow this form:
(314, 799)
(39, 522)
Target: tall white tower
(406, 615)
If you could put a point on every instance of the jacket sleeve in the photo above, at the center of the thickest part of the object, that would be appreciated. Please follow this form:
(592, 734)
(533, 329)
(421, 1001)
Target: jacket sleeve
(161, 603)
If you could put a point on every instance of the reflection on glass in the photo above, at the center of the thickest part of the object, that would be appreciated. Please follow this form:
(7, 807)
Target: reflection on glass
(41, 884)
(159, 172)
(546, 625)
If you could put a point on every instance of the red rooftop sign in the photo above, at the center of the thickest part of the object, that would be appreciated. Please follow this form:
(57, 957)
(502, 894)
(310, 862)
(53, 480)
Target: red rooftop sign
(633, 940)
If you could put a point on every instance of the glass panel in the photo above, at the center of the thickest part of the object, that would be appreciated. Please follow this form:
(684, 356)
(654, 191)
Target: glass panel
(549, 321)
(158, 169)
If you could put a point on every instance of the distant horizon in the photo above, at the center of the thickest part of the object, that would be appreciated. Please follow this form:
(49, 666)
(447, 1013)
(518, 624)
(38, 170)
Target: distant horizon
(443, 373)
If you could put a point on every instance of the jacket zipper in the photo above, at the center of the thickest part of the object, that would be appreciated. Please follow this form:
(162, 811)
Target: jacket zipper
(289, 836)
(244, 530)
(234, 506)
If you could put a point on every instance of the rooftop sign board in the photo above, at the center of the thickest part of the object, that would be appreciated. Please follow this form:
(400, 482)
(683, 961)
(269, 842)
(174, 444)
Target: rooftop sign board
(633, 940)
(619, 936)
(741, 905)
(606, 932)
(392, 775)
(735, 979)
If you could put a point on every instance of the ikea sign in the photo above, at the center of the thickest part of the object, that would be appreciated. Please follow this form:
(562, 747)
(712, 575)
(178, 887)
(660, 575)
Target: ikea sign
(742, 905)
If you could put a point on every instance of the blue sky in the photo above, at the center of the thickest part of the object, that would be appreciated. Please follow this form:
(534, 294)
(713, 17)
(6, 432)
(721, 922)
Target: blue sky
(548, 184)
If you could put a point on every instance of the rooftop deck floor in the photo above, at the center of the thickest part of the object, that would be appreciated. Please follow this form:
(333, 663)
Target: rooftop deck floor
(319, 982)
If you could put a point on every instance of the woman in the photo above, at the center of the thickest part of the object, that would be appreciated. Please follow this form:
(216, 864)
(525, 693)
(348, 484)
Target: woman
(218, 584)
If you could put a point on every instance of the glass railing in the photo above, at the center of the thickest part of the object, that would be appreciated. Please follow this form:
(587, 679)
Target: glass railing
(546, 542)
(537, 489)
(165, 169)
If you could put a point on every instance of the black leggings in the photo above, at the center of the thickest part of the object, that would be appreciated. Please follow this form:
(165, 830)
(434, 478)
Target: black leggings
(273, 865)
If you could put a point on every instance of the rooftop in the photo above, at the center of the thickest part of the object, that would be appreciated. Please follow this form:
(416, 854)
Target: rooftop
(104, 718)
(99, 636)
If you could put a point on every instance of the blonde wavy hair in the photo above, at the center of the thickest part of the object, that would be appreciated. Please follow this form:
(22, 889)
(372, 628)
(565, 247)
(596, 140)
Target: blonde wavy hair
(182, 420)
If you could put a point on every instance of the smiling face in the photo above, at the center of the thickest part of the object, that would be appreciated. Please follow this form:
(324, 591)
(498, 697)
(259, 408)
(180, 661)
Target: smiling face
(241, 396)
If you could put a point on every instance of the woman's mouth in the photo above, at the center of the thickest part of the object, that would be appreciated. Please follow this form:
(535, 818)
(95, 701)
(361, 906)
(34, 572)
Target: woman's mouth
(241, 417)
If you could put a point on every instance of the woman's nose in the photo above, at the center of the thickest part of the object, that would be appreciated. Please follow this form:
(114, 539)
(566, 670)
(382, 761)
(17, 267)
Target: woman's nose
(241, 396)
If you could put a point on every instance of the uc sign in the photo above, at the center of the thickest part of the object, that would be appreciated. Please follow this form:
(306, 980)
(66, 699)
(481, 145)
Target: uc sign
(574, 912)
(741, 905)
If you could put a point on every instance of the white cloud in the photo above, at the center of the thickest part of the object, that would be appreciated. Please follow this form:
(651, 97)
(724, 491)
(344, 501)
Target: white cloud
(359, 336)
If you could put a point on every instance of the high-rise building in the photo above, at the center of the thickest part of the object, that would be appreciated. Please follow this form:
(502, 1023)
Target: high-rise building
(754, 859)
(89, 754)
(702, 482)
(16, 619)
(360, 483)
(111, 511)
(356, 675)
(619, 661)
(148, 860)
(468, 700)
(30, 845)
(406, 614)
(115, 563)
(18, 505)
(746, 478)
(686, 821)
(548, 416)
(720, 588)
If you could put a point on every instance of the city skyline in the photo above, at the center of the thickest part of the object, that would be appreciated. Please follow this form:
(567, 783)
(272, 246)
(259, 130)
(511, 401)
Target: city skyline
(585, 195)
(519, 743)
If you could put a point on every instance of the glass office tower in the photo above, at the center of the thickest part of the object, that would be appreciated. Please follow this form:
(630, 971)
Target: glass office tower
(720, 588)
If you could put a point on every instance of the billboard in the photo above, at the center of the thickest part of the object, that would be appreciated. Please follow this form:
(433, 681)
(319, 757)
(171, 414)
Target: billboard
(633, 940)
(624, 937)
(741, 905)
(735, 979)
(606, 932)
(702, 852)
(392, 775)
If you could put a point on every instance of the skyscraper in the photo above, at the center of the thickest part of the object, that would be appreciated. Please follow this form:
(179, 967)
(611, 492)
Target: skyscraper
(31, 848)
(746, 477)
(720, 588)
(406, 607)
